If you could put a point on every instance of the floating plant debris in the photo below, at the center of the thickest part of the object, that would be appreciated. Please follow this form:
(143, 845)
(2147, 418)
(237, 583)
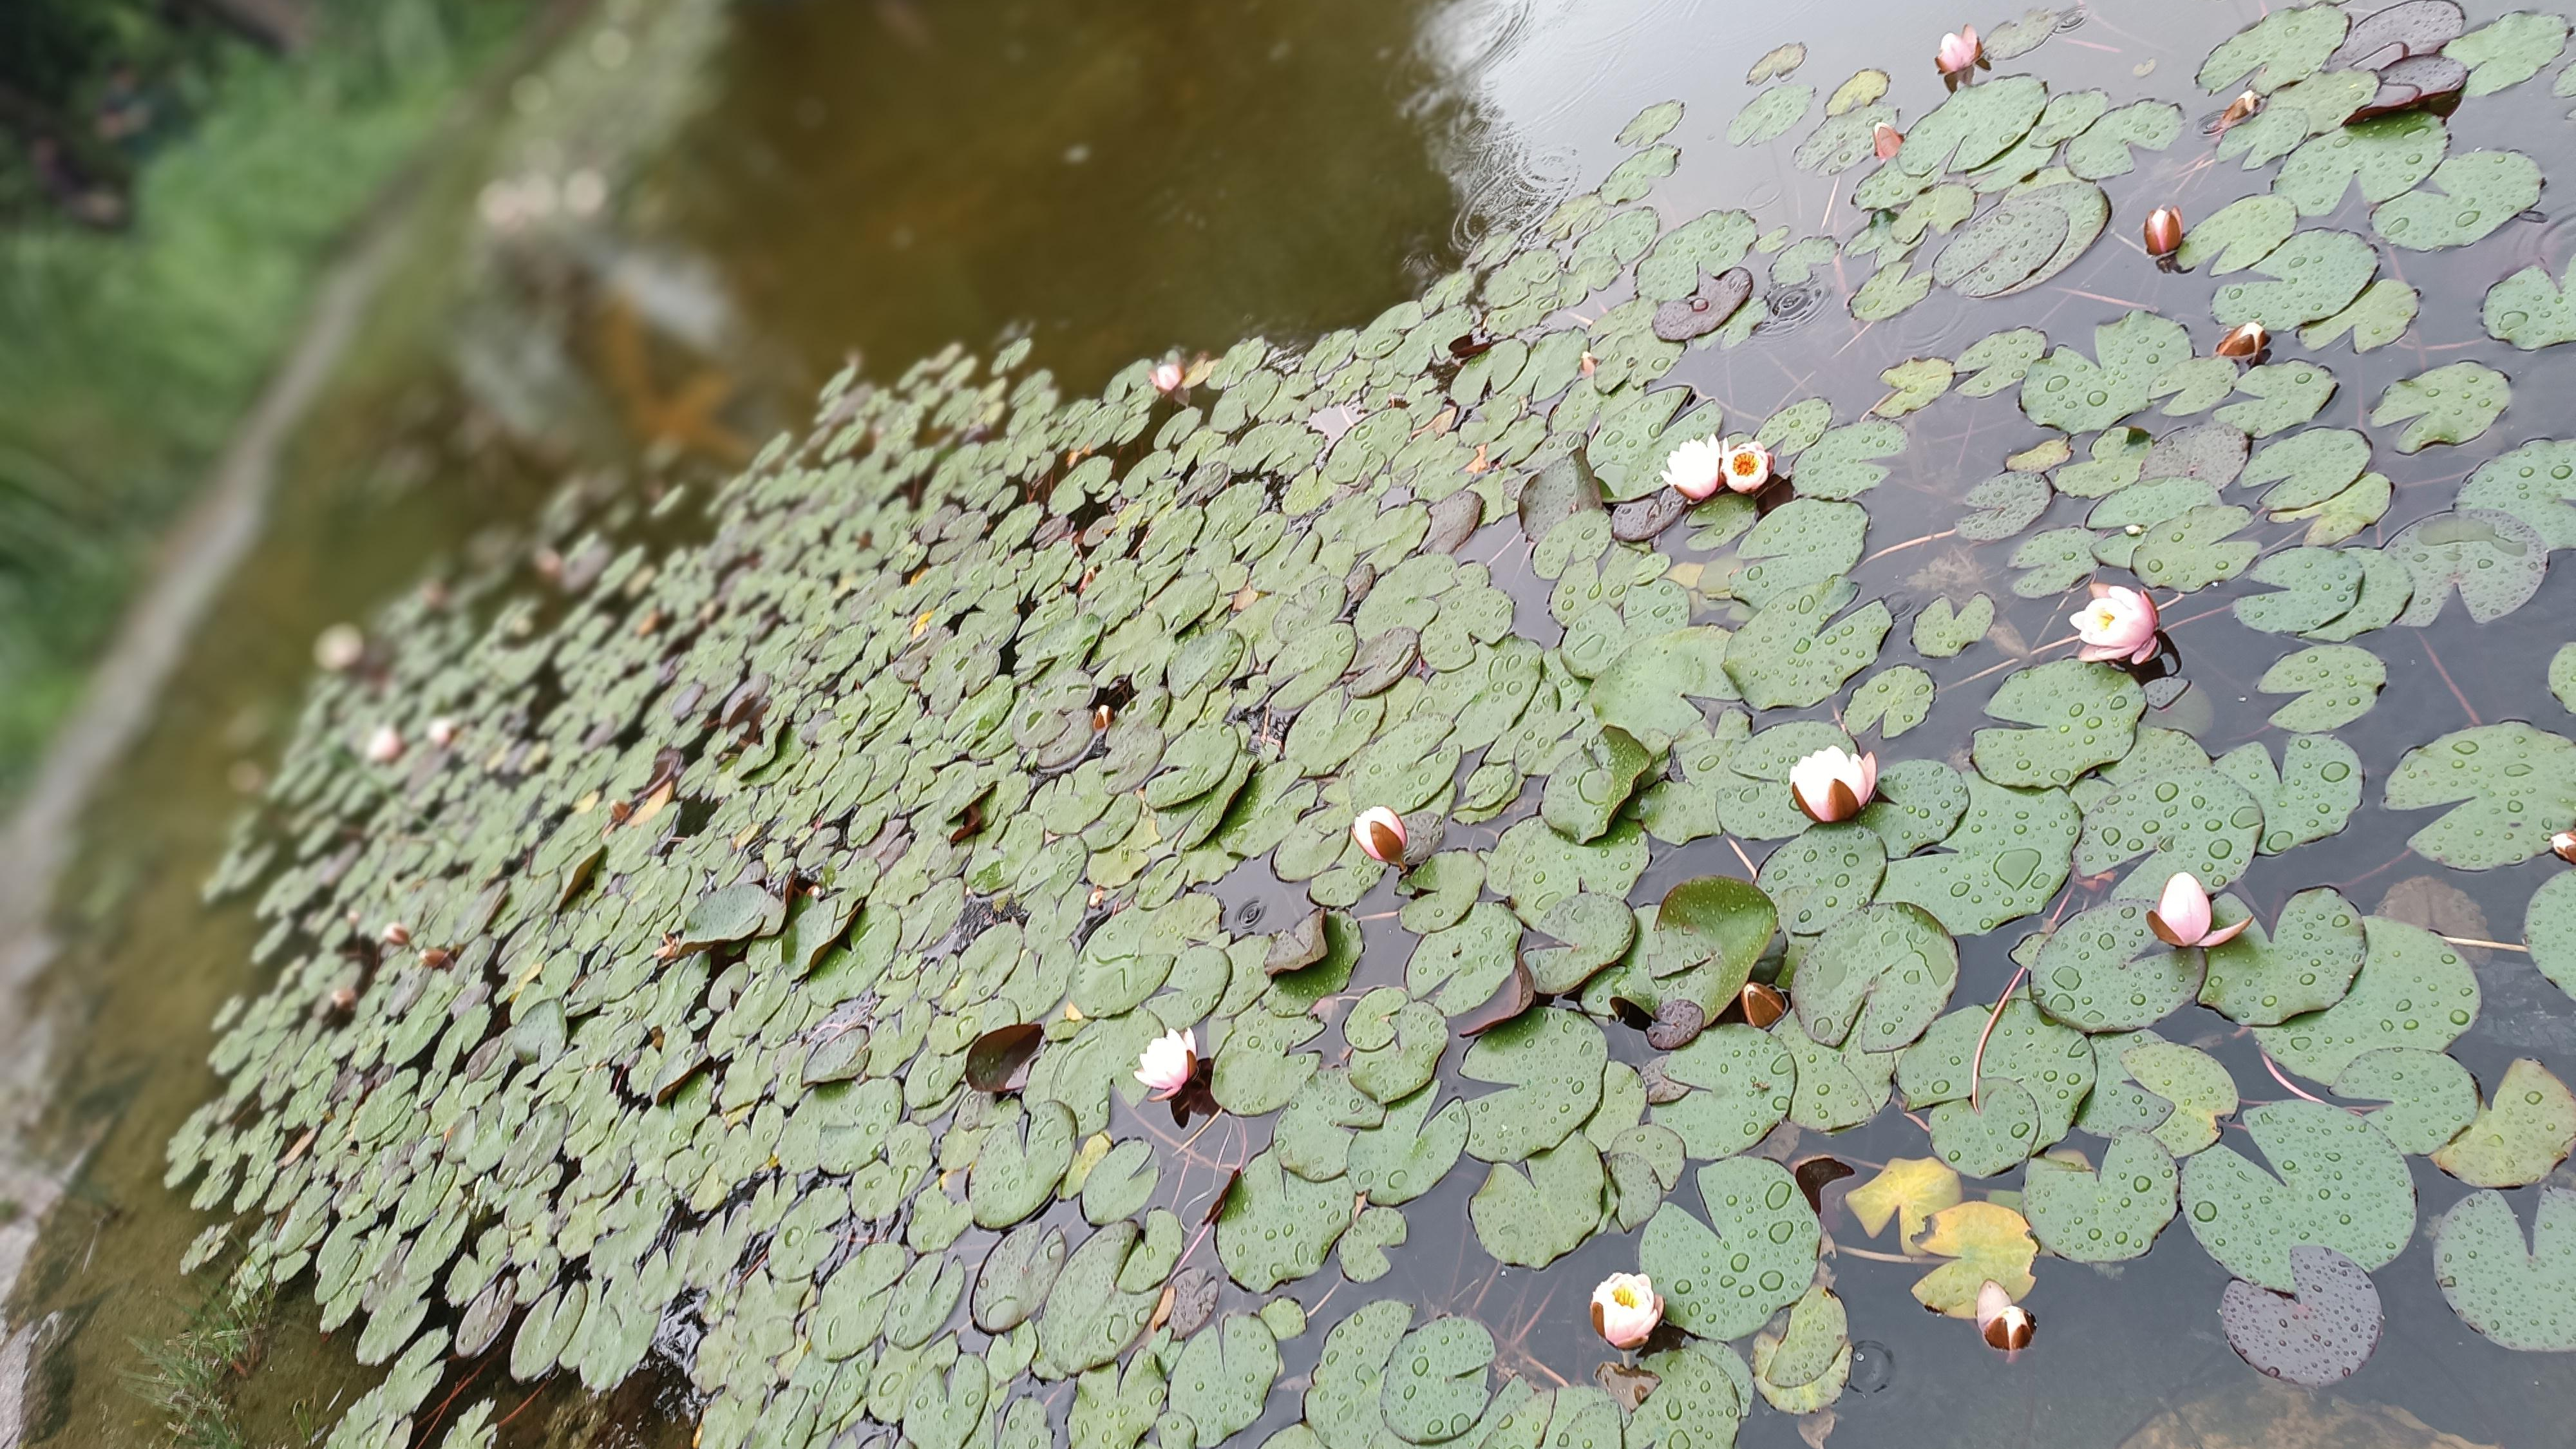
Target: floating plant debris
(816, 908)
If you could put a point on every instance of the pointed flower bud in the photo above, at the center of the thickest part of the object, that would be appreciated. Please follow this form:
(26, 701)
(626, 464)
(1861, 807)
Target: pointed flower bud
(2164, 232)
(1380, 832)
(1832, 785)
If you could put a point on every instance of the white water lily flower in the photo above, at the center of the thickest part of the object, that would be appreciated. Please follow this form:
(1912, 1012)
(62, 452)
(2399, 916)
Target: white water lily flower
(1832, 785)
(1696, 469)
(1747, 466)
(1168, 1062)
(1625, 1309)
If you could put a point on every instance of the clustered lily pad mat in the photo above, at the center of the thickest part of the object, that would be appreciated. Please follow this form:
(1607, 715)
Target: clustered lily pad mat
(783, 914)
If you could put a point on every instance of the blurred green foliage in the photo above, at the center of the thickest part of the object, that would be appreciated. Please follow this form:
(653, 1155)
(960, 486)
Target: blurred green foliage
(127, 355)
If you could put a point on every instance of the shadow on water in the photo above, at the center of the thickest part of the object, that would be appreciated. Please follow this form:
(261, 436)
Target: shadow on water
(1113, 182)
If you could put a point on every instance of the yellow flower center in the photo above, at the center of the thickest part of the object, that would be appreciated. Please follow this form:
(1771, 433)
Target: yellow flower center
(1624, 1296)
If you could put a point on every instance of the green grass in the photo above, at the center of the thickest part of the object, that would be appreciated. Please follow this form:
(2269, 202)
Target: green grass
(126, 360)
(192, 1375)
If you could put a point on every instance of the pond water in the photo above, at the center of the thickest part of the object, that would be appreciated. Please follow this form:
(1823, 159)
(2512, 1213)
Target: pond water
(825, 179)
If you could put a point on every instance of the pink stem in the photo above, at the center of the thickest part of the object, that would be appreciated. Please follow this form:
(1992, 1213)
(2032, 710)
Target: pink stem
(2295, 1090)
(1977, 1064)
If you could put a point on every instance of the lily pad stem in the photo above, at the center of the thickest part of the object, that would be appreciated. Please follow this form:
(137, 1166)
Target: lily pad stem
(1977, 1063)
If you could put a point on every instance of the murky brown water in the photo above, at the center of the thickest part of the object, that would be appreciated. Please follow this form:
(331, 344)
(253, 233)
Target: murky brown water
(1112, 182)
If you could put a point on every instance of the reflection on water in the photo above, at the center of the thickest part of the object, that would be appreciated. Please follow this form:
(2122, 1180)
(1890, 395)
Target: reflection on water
(1115, 181)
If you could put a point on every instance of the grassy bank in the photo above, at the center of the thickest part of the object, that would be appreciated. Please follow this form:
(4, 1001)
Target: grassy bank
(125, 358)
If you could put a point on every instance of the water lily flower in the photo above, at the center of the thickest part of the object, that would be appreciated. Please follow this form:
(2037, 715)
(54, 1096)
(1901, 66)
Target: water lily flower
(1696, 468)
(384, 746)
(2241, 108)
(1168, 1062)
(2164, 232)
(1959, 51)
(1831, 785)
(1626, 1308)
(397, 934)
(442, 732)
(1380, 832)
(2006, 1325)
(2246, 339)
(1885, 140)
(2119, 624)
(2564, 843)
(1167, 377)
(339, 648)
(2181, 915)
(1747, 466)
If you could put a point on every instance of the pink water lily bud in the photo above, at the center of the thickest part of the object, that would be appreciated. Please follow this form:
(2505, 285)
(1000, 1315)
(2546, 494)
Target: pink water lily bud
(2239, 109)
(2564, 844)
(384, 745)
(1168, 1062)
(1625, 1309)
(1380, 832)
(2164, 232)
(1696, 469)
(2119, 624)
(1959, 51)
(442, 732)
(2005, 1325)
(2181, 916)
(1747, 466)
(1167, 377)
(1886, 140)
(1832, 785)
(397, 934)
(339, 648)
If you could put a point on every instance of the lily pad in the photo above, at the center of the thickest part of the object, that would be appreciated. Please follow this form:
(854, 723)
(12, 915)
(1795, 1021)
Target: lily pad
(2336, 683)
(2521, 1134)
(2509, 785)
(2305, 962)
(2522, 1299)
(2108, 1216)
(1754, 1256)
(2430, 1097)
(2467, 197)
(2452, 404)
(2339, 1184)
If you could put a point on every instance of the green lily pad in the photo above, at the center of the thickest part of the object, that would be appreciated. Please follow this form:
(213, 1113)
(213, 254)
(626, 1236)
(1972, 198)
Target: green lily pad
(2067, 391)
(2522, 1133)
(1992, 1135)
(2508, 50)
(2336, 683)
(1651, 124)
(1549, 1064)
(1597, 931)
(2005, 859)
(2053, 1062)
(2430, 1096)
(2108, 1216)
(1221, 1379)
(1794, 653)
(1759, 1258)
(2379, 316)
(1823, 874)
(1839, 465)
(2522, 1299)
(2286, 45)
(2452, 404)
(1745, 1083)
(1531, 1219)
(1999, 360)
(2549, 927)
(1769, 113)
(2494, 559)
(2387, 155)
(1277, 1227)
(1716, 918)
(2194, 549)
(2103, 150)
(2305, 963)
(2080, 715)
(2005, 505)
(2315, 274)
(2104, 970)
(1410, 1150)
(1943, 629)
(1806, 1366)
(2285, 394)
(1088, 1316)
(2197, 820)
(1878, 977)
(2467, 197)
(2339, 1185)
(2535, 483)
(2510, 785)
(1017, 1167)
(2412, 990)
(2031, 235)
(2238, 235)
(2529, 310)
(2193, 1081)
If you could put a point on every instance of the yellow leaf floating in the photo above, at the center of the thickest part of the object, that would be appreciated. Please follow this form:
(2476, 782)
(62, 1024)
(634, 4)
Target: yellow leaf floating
(1910, 1189)
(1989, 1240)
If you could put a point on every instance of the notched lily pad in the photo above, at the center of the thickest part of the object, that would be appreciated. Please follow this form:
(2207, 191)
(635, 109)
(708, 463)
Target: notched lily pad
(2318, 1336)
